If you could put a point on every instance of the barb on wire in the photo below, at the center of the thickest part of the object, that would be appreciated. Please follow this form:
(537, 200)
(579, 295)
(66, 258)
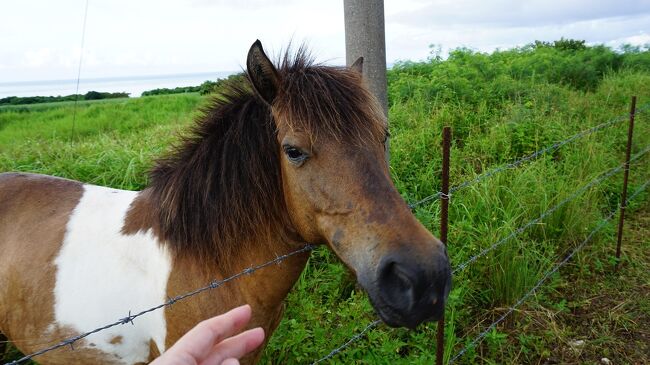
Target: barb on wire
(521, 229)
(129, 319)
(349, 342)
(529, 157)
(482, 335)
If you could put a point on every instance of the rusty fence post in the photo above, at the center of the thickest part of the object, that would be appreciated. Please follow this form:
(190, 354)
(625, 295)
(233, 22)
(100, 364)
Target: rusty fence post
(444, 222)
(626, 173)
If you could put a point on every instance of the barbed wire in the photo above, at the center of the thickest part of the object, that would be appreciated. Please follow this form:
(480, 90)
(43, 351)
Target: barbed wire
(531, 156)
(339, 349)
(462, 266)
(129, 319)
(548, 212)
(482, 335)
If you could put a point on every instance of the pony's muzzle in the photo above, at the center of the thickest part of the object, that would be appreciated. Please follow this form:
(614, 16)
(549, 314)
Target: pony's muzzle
(412, 290)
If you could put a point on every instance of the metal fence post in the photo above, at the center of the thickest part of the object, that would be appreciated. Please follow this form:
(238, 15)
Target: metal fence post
(444, 225)
(626, 173)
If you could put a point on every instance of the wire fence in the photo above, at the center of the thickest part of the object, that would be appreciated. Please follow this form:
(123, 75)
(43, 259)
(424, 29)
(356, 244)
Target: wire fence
(602, 177)
(548, 212)
(548, 274)
(339, 349)
(515, 233)
(218, 283)
(530, 157)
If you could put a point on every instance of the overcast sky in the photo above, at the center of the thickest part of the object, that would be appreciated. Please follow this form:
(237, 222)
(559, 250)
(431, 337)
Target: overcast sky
(40, 39)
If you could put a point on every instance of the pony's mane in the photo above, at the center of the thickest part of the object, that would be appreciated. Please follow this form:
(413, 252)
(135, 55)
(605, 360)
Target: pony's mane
(221, 186)
(327, 101)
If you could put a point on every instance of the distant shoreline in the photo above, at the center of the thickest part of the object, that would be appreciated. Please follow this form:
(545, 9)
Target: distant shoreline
(117, 78)
(132, 85)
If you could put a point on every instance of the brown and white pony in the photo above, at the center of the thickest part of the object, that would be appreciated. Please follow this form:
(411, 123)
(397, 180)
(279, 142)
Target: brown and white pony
(289, 155)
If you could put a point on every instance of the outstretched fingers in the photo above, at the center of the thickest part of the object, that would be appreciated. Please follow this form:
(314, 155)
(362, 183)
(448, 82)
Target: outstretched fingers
(200, 342)
(231, 349)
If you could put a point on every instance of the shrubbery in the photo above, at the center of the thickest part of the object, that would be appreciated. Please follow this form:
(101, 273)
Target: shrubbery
(466, 74)
(205, 88)
(176, 90)
(91, 95)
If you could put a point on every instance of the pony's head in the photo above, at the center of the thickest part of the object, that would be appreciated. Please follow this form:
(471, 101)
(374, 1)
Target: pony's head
(331, 135)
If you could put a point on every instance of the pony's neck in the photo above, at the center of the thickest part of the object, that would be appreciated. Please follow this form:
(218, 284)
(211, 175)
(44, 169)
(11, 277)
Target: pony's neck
(217, 204)
(265, 289)
(264, 246)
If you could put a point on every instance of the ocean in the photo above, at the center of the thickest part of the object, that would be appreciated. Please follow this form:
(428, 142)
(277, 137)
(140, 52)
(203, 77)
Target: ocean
(134, 85)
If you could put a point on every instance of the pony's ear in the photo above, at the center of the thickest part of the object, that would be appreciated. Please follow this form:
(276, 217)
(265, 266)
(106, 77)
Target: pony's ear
(262, 73)
(358, 65)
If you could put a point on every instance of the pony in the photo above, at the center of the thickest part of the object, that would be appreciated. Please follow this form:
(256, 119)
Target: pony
(293, 152)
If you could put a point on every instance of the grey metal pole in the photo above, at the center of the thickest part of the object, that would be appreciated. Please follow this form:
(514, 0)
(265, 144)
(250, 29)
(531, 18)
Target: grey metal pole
(365, 37)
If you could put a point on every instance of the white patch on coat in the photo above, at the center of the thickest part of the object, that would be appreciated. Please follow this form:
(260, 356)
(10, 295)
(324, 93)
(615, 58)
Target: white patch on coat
(102, 275)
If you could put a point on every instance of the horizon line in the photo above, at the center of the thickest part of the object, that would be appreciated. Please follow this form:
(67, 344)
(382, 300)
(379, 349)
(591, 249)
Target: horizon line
(120, 78)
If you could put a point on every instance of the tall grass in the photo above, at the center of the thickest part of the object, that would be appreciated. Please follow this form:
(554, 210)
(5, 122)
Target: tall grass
(501, 106)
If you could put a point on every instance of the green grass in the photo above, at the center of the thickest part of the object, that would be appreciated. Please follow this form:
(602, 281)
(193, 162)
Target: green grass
(111, 144)
(499, 112)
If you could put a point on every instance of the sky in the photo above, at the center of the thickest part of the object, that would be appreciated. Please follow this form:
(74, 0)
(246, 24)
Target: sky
(41, 39)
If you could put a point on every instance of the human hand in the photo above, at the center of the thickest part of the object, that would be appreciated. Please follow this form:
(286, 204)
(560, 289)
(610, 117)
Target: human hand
(213, 341)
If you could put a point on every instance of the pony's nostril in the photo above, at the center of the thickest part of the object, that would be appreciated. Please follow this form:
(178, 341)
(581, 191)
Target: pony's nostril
(411, 286)
(398, 285)
(413, 289)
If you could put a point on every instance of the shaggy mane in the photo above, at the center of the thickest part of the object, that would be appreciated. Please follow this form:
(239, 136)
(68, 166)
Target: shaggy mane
(221, 186)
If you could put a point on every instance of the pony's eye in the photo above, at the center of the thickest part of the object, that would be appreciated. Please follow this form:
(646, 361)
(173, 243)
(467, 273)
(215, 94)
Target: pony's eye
(295, 155)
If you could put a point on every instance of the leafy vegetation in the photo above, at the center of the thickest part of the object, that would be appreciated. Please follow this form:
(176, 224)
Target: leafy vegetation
(91, 95)
(502, 106)
(205, 88)
(176, 90)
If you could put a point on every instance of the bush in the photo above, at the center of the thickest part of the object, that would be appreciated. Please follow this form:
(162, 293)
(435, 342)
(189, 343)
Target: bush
(207, 87)
(476, 78)
(91, 95)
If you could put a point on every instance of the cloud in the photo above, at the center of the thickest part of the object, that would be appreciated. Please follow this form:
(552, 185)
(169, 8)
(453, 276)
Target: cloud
(506, 13)
(490, 25)
(146, 37)
(642, 39)
(248, 4)
(38, 57)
